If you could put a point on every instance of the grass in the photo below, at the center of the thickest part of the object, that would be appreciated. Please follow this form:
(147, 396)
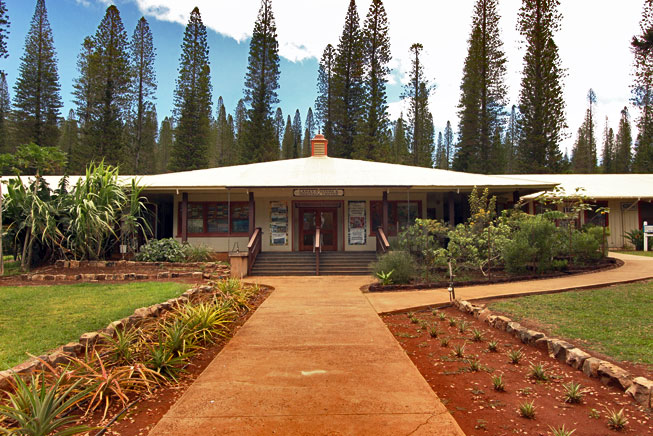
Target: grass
(12, 268)
(640, 253)
(35, 319)
(616, 321)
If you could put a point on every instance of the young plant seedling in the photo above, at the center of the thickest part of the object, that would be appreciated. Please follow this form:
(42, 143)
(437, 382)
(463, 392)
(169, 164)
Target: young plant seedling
(573, 393)
(441, 316)
(616, 420)
(527, 409)
(562, 431)
(474, 365)
(515, 356)
(477, 335)
(497, 383)
(444, 342)
(462, 326)
(538, 372)
(433, 331)
(452, 322)
(492, 346)
(459, 351)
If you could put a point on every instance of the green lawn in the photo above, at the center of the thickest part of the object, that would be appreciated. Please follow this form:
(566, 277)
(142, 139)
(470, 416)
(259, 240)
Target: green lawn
(616, 321)
(36, 319)
(640, 253)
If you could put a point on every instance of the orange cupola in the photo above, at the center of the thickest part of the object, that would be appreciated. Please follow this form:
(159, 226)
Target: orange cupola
(319, 146)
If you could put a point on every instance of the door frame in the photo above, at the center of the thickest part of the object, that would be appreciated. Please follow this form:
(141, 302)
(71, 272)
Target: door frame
(336, 205)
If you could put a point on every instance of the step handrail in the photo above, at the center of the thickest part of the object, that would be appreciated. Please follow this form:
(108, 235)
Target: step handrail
(382, 244)
(253, 248)
(317, 248)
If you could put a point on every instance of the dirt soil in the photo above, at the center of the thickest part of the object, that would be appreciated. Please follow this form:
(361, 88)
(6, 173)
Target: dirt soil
(18, 280)
(139, 419)
(480, 410)
(473, 278)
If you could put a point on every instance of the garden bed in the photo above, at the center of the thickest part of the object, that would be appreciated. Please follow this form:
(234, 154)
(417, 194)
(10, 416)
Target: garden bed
(479, 409)
(500, 276)
(116, 271)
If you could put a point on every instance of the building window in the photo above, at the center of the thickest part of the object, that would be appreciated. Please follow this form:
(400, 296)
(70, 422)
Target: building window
(597, 219)
(214, 219)
(400, 213)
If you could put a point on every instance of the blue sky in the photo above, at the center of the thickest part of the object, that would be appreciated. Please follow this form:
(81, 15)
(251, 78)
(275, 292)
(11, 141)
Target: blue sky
(593, 40)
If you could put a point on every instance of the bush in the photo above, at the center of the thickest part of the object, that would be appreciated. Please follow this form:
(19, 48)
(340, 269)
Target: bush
(534, 244)
(401, 263)
(196, 253)
(161, 250)
(586, 247)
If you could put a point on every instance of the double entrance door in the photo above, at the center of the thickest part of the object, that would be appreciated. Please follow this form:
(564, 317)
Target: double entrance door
(310, 219)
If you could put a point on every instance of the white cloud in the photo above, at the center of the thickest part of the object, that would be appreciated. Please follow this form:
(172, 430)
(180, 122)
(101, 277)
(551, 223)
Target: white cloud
(593, 42)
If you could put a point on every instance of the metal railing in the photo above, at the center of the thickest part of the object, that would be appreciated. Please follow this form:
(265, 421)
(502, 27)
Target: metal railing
(253, 248)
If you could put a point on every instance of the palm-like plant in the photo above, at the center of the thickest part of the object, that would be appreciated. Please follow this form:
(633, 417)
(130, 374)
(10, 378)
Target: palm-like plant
(38, 409)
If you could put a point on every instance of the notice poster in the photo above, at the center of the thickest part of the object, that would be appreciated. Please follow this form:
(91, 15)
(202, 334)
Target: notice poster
(357, 223)
(278, 223)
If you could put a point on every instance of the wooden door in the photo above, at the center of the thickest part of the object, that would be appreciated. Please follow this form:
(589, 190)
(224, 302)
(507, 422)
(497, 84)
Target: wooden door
(309, 219)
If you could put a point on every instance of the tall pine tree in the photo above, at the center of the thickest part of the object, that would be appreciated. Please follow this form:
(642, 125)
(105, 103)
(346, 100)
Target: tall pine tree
(288, 142)
(143, 88)
(642, 90)
(4, 29)
(324, 103)
(371, 136)
(37, 102)
(278, 125)
(192, 100)
(541, 103)
(261, 84)
(623, 144)
(103, 92)
(297, 134)
(449, 146)
(607, 162)
(483, 93)
(417, 92)
(583, 158)
(5, 109)
(164, 145)
(348, 87)
(400, 153)
(69, 140)
(511, 141)
(308, 133)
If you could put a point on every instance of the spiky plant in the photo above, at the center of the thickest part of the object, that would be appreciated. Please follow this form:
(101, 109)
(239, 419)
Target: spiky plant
(40, 409)
(497, 383)
(459, 351)
(462, 326)
(562, 431)
(121, 347)
(444, 342)
(474, 365)
(527, 409)
(477, 335)
(492, 346)
(573, 392)
(515, 356)
(441, 316)
(452, 322)
(616, 420)
(538, 372)
(433, 331)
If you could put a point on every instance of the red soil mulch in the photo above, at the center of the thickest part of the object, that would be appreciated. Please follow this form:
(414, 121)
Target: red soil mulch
(480, 410)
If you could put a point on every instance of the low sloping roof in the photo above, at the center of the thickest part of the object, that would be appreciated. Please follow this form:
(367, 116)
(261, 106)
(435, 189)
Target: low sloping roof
(599, 186)
(333, 172)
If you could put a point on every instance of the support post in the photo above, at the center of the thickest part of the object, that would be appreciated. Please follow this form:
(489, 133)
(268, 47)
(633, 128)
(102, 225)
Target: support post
(515, 197)
(252, 214)
(452, 210)
(385, 212)
(184, 217)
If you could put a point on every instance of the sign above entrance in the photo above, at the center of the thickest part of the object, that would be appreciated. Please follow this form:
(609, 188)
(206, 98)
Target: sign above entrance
(318, 192)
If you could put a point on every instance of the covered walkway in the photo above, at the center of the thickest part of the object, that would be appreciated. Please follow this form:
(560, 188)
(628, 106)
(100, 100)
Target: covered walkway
(315, 359)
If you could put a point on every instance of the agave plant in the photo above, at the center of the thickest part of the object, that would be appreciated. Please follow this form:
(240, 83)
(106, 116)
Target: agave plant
(164, 362)
(121, 348)
(205, 321)
(40, 410)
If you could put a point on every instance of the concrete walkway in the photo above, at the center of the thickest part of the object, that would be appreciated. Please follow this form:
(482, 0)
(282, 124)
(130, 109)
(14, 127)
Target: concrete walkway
(635, 268)
(315, 359)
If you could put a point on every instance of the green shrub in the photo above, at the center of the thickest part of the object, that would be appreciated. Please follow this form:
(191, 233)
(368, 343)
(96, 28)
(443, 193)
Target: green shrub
(161, 250)
(636, 237)
(586, 247)
(534, 244)
(401, 263)
(196, 253)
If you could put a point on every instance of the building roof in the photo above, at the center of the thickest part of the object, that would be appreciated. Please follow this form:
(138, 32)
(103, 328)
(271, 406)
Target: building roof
(334, 172)
(599, 186)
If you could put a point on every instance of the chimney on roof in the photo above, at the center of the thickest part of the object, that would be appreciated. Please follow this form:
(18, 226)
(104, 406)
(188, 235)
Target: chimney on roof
(319, 146)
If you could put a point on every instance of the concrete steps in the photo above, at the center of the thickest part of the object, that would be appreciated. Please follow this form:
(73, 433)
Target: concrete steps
(303, 263)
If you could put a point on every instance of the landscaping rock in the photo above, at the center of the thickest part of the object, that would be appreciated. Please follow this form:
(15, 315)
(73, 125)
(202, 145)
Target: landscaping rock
(528, 336)
(89, 339)
(198, 275)
(61, 277)
(77, 276)
(144, 312)
(88, 277)
(206, 275)
(558, 349)
(484, 314)
(576, 357)
(591, 366)
(57, 358)
(612, 375)
(141, 277)
(163, 275)
(59, 264)
(5, 380)
(501, 322)
(130, 276)
(74, 264)
(642, 391)
(542, 343)
(26, 367)
(73, 348)
(512, 327)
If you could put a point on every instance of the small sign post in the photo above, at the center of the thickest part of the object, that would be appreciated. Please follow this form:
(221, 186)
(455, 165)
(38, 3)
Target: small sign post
(648, 233)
